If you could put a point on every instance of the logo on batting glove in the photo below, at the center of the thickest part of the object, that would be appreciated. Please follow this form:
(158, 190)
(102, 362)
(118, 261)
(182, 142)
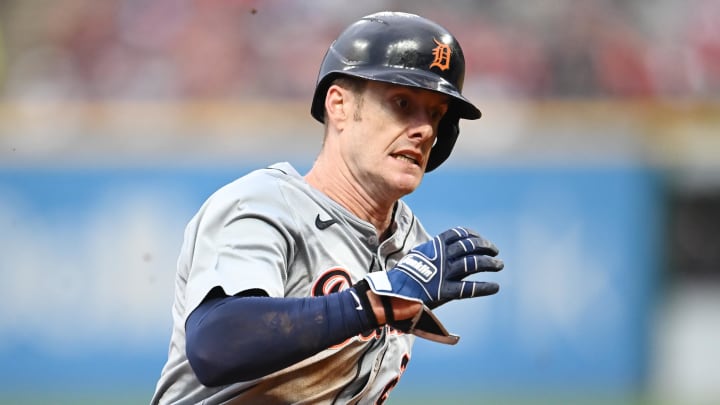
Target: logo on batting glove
(418, 266)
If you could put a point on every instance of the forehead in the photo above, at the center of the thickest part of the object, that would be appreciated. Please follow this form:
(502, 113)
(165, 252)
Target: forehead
(383, 88)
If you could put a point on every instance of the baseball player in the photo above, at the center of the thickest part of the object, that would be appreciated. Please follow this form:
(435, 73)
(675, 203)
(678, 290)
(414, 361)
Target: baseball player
(310, 289)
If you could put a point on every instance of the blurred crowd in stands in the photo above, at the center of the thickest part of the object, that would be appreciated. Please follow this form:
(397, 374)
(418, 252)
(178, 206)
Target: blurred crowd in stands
(267, 49)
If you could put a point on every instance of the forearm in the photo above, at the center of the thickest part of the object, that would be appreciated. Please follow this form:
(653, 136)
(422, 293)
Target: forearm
(233, 339)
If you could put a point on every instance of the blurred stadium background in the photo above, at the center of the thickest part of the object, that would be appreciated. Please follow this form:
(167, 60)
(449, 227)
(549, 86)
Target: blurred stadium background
(595, 168)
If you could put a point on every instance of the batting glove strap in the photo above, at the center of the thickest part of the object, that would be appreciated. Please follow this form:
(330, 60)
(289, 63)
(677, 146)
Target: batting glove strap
(388, 309)
(425, 324)
(362, 287)
(428, 326)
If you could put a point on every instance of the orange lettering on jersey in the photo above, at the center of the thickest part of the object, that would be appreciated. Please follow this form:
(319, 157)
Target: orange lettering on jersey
(332, 280)
(442, 55)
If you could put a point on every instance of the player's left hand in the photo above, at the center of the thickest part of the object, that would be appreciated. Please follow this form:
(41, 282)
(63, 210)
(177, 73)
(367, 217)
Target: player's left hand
(433, 272)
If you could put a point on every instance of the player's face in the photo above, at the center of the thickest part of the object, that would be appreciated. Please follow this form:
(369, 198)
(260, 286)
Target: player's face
(391, 135)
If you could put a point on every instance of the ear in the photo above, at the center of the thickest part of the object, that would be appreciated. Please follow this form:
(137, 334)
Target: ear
(337, 104)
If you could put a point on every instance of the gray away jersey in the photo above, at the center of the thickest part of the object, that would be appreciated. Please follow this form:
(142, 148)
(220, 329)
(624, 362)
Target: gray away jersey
(270, 230)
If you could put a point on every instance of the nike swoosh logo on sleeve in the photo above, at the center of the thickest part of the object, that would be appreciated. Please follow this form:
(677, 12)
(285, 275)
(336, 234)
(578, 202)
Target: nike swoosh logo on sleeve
(359, 306)
(320, 224)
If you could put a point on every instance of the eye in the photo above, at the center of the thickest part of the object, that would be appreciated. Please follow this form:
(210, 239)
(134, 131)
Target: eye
(436, 114)
(402, 103)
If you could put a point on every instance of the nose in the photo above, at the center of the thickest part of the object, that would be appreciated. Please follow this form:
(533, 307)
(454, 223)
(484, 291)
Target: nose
(422, 127)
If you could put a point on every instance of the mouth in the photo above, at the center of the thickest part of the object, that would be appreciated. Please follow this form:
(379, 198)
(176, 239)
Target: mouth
(406, 158)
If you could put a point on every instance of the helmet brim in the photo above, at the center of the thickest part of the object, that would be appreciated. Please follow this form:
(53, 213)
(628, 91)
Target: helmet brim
(427, 81)
(459, 105)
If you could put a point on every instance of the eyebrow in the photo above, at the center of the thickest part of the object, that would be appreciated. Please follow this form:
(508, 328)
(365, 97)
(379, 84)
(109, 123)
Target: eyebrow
(445, 99)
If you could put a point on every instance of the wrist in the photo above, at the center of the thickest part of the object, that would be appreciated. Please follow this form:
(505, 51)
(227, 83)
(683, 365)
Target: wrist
(387, 309)
(377, 306)
(371, 304)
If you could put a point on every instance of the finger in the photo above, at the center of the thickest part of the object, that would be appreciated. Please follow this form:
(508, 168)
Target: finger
(471, 289)
(468, 233)
(472, 245)
(454, 234)
(473, 264)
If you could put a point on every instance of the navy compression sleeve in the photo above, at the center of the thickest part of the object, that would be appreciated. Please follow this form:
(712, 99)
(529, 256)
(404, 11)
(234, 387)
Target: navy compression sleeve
(232, 339)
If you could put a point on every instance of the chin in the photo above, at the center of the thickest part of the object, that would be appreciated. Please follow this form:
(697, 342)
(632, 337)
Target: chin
(406, 184)
(402, 179)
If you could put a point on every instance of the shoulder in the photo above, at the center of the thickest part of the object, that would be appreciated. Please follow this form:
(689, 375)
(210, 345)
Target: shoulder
(264, 187)
(261, 180)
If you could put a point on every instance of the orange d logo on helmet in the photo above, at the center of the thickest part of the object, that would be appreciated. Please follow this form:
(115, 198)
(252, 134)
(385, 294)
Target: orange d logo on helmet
(442, 55)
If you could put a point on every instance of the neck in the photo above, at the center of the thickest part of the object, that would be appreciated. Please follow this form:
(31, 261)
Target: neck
(343, 188)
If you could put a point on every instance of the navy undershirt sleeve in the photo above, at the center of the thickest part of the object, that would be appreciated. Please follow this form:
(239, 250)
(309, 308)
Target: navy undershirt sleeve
(232, 339)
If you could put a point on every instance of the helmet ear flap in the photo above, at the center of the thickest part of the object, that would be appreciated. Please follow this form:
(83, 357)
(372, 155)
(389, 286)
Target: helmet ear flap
(448, 131)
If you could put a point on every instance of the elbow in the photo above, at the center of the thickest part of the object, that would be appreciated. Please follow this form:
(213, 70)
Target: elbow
(220, 354)
(213, 368)
(208, 369)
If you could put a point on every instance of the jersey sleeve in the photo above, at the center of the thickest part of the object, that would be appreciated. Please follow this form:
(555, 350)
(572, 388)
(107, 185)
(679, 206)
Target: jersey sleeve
(241, 241)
